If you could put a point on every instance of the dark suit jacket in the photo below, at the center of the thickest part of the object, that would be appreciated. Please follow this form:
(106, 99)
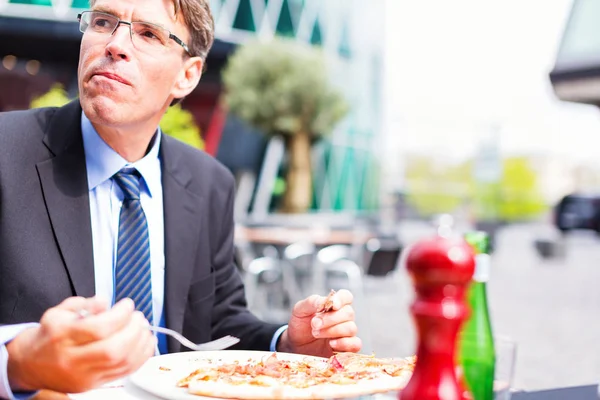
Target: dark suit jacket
(46, 238)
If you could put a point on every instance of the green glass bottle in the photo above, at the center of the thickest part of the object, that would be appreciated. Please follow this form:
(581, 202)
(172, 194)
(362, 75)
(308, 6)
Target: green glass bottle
(477, 356)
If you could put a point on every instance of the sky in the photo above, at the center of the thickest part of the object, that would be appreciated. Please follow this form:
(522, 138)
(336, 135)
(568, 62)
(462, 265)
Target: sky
(456, 71)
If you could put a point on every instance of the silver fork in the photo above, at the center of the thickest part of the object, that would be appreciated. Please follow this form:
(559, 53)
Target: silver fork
(217, 344)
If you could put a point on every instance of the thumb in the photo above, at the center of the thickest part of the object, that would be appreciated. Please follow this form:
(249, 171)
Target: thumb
(308, 307)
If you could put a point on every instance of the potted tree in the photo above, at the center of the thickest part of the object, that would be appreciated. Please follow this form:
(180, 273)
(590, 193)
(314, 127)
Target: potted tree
(282, 88)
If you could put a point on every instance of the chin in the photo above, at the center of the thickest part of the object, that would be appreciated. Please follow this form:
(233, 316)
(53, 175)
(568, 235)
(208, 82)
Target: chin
(104, 109)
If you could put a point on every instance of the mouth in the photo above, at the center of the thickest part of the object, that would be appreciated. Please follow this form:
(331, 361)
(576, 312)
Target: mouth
(114, 77)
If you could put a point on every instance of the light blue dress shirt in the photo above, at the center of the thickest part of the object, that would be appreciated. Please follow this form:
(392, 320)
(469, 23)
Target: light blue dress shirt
(106, 198)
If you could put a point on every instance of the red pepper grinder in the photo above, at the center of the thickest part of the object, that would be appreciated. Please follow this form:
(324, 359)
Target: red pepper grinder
(441, 269)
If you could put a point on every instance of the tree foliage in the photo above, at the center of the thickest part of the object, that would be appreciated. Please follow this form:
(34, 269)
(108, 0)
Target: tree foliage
(282, 87)
(180, 124)
(520, 195)
(433, 188)
(55, 97)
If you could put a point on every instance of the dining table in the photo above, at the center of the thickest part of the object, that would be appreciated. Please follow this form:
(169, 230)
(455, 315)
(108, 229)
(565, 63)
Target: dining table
(125, 390)
(319, 236)
(588, 392)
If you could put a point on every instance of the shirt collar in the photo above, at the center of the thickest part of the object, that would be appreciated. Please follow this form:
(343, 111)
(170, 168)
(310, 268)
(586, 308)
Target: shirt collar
(102, 162)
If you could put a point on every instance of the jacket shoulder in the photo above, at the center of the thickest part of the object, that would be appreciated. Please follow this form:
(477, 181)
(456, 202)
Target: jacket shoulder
(17, 127)
(204, 168)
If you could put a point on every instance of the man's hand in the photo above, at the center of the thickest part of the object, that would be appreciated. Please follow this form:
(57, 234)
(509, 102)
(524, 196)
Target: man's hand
(70, 354)
(320, 334)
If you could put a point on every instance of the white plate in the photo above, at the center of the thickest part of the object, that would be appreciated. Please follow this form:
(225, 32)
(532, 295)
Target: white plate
(151, 378)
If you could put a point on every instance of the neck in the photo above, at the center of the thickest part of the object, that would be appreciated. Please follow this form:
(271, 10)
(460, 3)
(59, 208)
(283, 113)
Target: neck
(131, 143)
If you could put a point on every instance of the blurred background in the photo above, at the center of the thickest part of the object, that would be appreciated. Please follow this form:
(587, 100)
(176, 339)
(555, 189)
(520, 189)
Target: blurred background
(353, 128)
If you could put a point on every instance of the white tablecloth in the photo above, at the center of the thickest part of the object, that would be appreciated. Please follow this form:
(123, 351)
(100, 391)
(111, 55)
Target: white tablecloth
(120, 390)
(125, 390)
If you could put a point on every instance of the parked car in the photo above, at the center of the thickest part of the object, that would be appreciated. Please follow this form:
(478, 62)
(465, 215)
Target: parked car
(578, 211)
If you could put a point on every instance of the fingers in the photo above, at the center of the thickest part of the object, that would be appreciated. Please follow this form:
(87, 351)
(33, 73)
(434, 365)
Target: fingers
(307, 307)
(70, 353)
(124, 351)
(351, 344)
(73, 304)
(102, 325)
(97, 305)
(56, 323)
(327, 320)
(339, 300)
(311, 305)
(64, 314)
(119, 355)
(93, 304)
(345, 329)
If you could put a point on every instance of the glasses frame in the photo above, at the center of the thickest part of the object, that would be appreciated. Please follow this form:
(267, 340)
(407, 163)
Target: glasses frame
(128, 23)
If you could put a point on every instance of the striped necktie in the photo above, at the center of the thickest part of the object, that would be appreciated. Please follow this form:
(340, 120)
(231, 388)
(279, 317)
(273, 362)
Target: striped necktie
(132, 272)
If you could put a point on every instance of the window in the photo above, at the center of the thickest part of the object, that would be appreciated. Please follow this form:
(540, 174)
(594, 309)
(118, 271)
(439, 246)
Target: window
(580, 47)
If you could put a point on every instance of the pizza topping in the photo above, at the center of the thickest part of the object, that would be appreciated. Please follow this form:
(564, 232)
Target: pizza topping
(272, 360)
(199, 375)
(328, 303)
(273, 372)
(333, 361)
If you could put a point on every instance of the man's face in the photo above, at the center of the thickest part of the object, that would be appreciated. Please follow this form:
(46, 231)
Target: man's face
(121, 84)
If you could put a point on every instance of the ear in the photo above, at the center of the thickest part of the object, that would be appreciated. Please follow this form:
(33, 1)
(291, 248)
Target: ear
(188, 78)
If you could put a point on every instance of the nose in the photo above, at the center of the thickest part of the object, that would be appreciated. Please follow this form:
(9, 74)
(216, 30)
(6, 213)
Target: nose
(119, 44)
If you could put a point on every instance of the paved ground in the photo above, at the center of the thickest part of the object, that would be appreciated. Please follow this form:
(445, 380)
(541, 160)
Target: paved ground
(550, 308)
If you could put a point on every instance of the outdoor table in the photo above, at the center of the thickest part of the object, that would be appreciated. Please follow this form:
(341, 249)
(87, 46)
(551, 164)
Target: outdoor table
(284, 236)
(572, 393)
(130, 392)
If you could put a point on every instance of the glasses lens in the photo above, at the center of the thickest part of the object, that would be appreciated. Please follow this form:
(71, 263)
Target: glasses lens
(149, 36)
(98, 22)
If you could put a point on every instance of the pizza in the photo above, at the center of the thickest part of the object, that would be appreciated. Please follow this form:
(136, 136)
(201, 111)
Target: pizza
(284, 376)
(328, 303)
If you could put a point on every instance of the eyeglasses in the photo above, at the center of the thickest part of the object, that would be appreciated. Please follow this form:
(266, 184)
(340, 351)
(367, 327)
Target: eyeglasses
(145, 36)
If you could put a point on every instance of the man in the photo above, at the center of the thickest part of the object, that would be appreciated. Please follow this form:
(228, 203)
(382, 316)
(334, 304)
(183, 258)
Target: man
(94, 200)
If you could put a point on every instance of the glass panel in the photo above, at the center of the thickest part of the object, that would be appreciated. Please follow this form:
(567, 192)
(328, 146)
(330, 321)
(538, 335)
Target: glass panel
(315, 37)
(75, 4)
(35, 2)
(296, 7)
(80, 4)
(215, 7)
(361, 175)
(341, 201)
(344, 49)
(371, 194)
(581, 41)
(285, 26)
(321, 151)
(243, 17)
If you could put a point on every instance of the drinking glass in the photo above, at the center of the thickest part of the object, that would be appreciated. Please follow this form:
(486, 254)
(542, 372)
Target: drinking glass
(506, 354)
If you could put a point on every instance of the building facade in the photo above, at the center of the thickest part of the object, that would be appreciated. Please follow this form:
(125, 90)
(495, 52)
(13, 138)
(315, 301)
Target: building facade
(576, 73)
(39, 45)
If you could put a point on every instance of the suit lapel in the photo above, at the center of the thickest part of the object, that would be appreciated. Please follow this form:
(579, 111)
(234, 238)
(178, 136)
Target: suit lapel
(64, 184)
(181, 234)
